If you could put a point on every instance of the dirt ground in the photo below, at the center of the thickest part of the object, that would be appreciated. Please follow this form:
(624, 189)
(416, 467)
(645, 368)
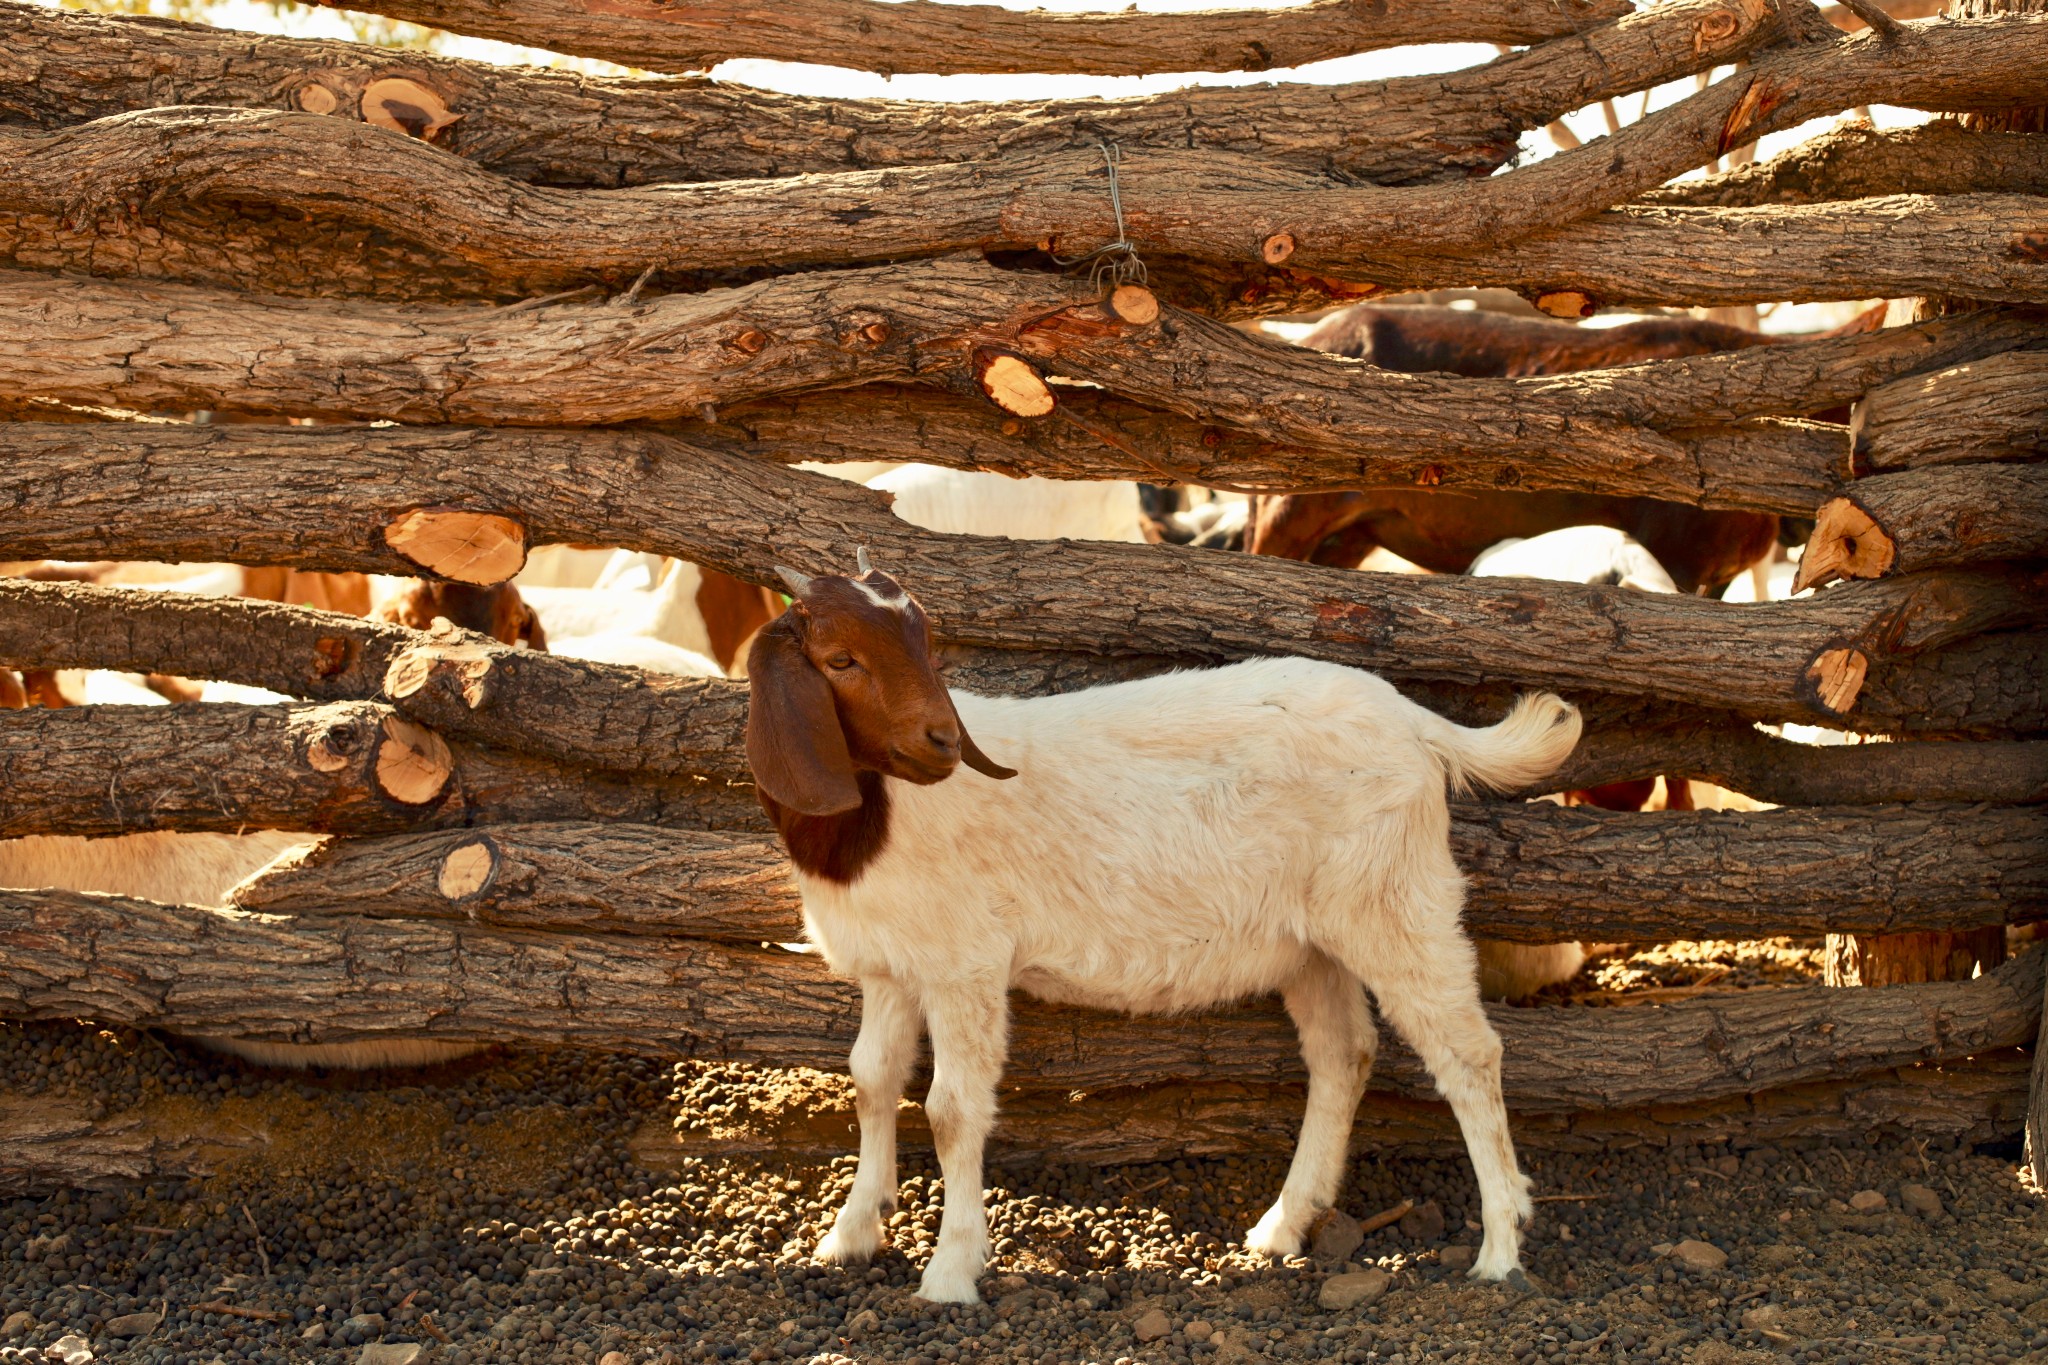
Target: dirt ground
(512, 1208)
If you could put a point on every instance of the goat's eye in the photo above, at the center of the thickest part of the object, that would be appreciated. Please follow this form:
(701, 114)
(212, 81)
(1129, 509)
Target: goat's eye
(841, 660)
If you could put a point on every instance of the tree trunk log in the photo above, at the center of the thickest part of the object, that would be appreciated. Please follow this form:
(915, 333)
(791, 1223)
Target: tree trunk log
(2037, 1105)
(1979, 1099)
(1856, 161)
(568, 129)
(580, 714)
(46, 1144)
(1929, 518)
(343, 767)
(173, 349)
(121, 961)
(947, 39)
(1985, 410)
(1539, 873)
(736, 515)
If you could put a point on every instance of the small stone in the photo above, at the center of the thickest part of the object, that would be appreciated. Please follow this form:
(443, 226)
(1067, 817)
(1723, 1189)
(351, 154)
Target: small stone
(1198, 1330)
(390, 1353)
(1353, 1291)
(1765, 1315)
(1458, 1257)
(18, 1324)
(1921, 1200)
(369, 1324)
(1424, 1222)
(71, 1349)
(613, 1358)
(1867, 1201)
(866, 1320)
(315, 1333)
(1698, 1255)
(132, 1324)
(1011, 1284)
(1151, 1325)
(1334, 1235)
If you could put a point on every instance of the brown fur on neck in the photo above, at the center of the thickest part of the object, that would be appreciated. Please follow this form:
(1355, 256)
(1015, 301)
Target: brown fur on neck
(836, 848)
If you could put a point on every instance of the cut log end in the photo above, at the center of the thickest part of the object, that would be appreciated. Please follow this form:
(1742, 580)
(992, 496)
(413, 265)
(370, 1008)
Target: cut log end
(1837, 676)
(1277, 248)
(1014, 386)
(413, 763)
(468, 870)
(1567, 303)
(317, 99)
(469, 547)
(406, 107)
(1135, 304)
(1846, 543)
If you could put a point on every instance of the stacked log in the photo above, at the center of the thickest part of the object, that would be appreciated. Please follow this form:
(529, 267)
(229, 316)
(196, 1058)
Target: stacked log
(521, 325)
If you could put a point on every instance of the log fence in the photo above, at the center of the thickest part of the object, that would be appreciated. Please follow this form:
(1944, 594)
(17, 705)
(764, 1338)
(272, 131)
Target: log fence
(522, 308)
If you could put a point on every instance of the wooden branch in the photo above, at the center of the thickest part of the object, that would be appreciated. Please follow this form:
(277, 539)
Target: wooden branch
(2037, 1105)
(342, 767)
(581, 714)
(1849, 21)
(1928, 518)
(573, 130)
(1539, 873)
(1967, 1101)
(1995, 686)
(47, 1142)
(170, 348)
(1970, 244)
(647, 492)
(951, 39)
(1856, 161)
(122, 961)
(1215, 207)
(1874, 15)
(1990, 409)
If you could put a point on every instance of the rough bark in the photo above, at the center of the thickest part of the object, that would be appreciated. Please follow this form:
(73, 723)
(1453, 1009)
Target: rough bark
(1213, 206)
(120, 961)
(1979, 1099)
(1539, 873)
(2037, 1105)
(564, 129)
(593, 715)
(1929, 518)
(1995, 686)
(647, 492)
(172, 348)
(946, 39)
(46, 1143)
(1990, 409)
(341, 767)
(1856, 161)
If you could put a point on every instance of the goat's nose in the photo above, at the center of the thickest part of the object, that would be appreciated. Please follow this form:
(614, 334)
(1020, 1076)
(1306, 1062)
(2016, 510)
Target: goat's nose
(944, 738)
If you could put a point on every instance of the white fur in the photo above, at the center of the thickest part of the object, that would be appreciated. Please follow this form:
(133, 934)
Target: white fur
(1574, 554)
(669, 613)
(978, 503)
(637, 651)
(1289, 832)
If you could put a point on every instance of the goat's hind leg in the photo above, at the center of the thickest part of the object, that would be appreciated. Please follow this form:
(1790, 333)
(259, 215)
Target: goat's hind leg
(883, 1055)
(1428, 989)
(1338, 1042)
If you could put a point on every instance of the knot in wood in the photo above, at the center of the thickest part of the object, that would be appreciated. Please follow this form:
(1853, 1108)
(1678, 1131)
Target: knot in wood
(413, 763)
(1430, 475)
(1212, 438)
(1278, 248)
(316, 99)
(752, 341)
(875, 333)
(2028, 246)
(406, 106)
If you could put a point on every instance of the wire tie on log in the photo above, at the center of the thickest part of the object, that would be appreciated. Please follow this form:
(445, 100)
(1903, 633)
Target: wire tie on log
(1117, 262)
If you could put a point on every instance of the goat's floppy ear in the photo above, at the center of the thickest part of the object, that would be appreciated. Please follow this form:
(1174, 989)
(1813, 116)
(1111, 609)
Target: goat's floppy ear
(794, 743)
(973, 757)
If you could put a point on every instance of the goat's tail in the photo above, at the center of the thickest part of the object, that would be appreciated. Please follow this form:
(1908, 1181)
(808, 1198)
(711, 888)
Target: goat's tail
(1535, 739)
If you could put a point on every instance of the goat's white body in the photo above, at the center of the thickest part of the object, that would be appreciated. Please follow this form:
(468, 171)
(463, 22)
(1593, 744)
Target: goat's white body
(667, 612)
(1289, 831)
(979, 503)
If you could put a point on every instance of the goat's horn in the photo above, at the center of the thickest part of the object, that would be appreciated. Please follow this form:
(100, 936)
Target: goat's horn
(799, 583)
(860, 558)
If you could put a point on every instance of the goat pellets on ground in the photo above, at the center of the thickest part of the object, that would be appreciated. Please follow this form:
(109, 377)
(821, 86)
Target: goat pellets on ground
(530, 1207)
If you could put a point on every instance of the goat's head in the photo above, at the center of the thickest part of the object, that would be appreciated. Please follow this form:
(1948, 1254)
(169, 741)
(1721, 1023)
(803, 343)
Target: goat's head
(843, 682)
(497, 611)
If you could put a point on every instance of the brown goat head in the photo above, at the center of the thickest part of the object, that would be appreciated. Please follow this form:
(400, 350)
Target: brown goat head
(843, 683)
(497, 611)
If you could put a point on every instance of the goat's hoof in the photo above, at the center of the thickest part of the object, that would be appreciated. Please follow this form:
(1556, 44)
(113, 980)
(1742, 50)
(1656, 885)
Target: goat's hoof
(953, 1276)
(1272, 1237)
(842, 1247)
(1498, 1267)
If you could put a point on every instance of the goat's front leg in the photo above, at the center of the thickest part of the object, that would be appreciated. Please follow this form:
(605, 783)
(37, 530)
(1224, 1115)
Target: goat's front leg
(969, 1023)
(883, 1055)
